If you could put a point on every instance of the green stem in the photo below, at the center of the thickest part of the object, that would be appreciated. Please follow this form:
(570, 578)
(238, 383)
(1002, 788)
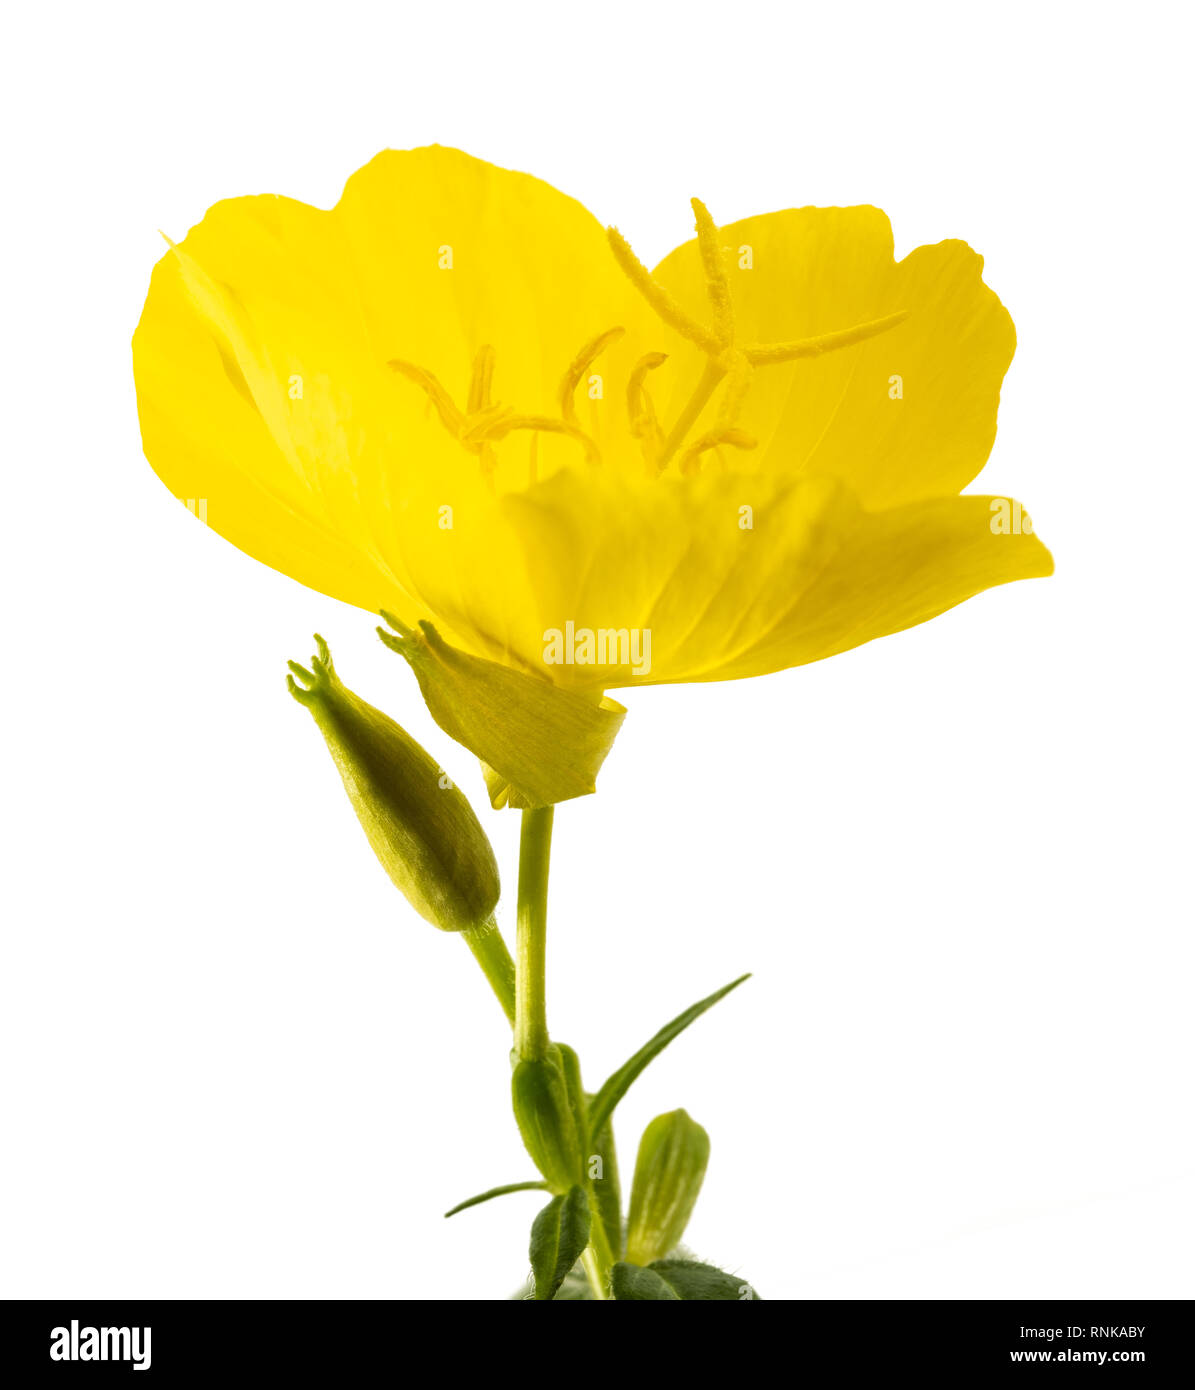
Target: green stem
(531, 1013)
(491, 954)
(601, 1257)
(595, 1275)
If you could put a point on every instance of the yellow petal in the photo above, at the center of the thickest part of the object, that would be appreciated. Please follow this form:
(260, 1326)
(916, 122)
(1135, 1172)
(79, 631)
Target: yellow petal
(258, 398)
(909, 413)
(892, 570)
(727, 575)
(452, 253)
(265, 387)
(261, 359)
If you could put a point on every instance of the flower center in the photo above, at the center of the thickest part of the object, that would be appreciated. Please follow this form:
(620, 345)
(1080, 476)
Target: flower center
(483, 423)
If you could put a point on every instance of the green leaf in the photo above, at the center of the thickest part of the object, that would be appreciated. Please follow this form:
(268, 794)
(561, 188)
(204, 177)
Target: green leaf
(693, 1280)
(558, 1236)
(498, 1192)
(620, 1082)
(688, 1281)
(606, 1191)
(632, 1283)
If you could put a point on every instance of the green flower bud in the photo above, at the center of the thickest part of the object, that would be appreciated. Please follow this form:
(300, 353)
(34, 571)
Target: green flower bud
(543, 1102)
(419, 825)
(669, 1171)
(538, 744)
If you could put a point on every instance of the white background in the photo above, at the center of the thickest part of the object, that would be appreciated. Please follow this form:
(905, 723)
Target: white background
(957, 860)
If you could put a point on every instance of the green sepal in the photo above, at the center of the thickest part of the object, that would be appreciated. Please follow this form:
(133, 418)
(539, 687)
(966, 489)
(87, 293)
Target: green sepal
(617, 1085)
(534, 1186)
(686, 1280)
(558, 1236)
(546, 1118)
(669, 1171)
(538, 743)
(578, 1102)
(418, 823)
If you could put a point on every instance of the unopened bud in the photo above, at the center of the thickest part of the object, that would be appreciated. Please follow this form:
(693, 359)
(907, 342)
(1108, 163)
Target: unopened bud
(669, 1171)
(419, 825)
(544, 1095)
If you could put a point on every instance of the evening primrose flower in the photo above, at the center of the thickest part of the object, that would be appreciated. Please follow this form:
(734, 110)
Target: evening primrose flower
(456, 397)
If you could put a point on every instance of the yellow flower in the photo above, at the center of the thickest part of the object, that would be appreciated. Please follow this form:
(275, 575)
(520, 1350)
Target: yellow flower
(456, 397)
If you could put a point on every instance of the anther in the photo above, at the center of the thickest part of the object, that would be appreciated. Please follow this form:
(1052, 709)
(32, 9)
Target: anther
(505, 424)
(579, 366)
(690, 460)
(640, 411)
(450, 416)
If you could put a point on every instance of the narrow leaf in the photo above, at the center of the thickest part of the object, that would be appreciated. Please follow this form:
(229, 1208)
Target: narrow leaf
(558, 1236)
(620, 1082)
(604, 1186)
(498, 1192)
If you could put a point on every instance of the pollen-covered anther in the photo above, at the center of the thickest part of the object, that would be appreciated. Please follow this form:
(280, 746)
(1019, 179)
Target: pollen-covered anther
(690, 460)
(485, 422)
(579, 366)
(543, 424)
(480, 426)
(450, 417)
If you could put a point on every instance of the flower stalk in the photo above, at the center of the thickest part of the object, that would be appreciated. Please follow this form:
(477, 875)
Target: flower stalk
(497, 964)
(531, 1014)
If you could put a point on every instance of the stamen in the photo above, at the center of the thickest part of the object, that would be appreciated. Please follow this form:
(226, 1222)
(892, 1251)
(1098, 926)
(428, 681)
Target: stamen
(476, 428)
(489, 464)
(483, 375)
(690, 460)
(579, 366)
(657, 296)
(762, 355)
(709, 244)
(545, 423)
(637, 402)
(450, 416)
(642, 414)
